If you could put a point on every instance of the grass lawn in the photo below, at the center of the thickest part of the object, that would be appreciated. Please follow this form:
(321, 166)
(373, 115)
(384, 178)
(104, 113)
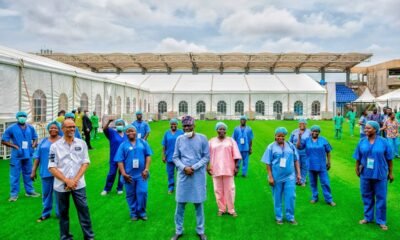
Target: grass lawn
(253, 204)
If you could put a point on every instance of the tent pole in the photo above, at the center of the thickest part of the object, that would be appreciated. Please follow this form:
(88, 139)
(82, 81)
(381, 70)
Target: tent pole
(20, 88)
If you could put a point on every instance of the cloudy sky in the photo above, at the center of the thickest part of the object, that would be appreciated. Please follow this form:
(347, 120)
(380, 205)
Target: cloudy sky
(203, 25)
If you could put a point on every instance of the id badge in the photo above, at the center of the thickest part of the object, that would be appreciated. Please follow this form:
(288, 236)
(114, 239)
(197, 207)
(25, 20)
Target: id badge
(241, 140)
(135, 163)
(139, 135)
(370, 163)
(24, 144)
(282, 163)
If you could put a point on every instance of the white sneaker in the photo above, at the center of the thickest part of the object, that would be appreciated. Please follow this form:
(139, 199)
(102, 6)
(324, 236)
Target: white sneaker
(13, 199)
(103, 193)
(120, 192)
(32, 194)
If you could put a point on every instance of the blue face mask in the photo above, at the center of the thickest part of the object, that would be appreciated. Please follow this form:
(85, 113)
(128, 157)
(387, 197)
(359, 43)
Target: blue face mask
(22, 120)
(120, 128)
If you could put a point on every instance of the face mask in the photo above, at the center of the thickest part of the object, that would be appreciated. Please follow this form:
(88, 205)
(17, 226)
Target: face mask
(189, 134)
(120, 128)
(22, 120)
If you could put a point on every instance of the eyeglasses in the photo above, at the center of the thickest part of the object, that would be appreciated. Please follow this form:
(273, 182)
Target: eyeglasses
(69, 127)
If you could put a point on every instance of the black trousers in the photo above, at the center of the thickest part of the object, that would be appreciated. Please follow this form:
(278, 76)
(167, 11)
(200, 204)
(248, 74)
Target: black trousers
(79, 197)
(87, 139)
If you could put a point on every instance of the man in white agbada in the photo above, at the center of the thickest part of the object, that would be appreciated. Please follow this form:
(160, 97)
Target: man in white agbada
(191, 156)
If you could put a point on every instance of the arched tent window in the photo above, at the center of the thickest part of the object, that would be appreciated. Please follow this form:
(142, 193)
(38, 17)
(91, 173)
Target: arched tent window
(239, 107)
(97, 105)
(200, 107)
(162, 107)
(298, 108)
(278, 107)
(110, 105)
(315, 108)
(128, 105)
(260, 107)
(63, 102)
(84, 102)
(119, 106)
(39, 106)
(221, 107)
(183, 107)
(134, 105)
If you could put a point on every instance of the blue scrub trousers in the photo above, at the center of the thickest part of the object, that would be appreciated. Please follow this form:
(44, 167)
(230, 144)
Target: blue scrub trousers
(47, 197)
(325, 185)
(303, 166)
(136, 196)
(245, 161)
(16, 166)
(79, 197)
(111, 177)
(394, 146)
(179, 217)
(373, 193)
(171, 173)
(286, 190)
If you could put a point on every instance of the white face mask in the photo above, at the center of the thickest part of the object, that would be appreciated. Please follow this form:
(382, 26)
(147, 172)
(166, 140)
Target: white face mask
(189, 134)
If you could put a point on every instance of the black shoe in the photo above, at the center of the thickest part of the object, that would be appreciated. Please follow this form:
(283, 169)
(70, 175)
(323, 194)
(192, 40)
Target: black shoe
(176, 236)
(202, 236)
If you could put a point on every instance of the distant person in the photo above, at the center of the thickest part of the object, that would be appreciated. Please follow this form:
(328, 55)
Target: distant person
(22, 138)
(362, 121)
(60, 116)
(79, 119)
(68, 161)
(142, 127)
(87, 128)
(283, 169)
(391, 127)
(95, 125)
(41, 161)
(375, 116)
(191, 156)
(374, 166)
(168, 143)
(243, 135)
(351, 118)
(338, 121)
(224, 155)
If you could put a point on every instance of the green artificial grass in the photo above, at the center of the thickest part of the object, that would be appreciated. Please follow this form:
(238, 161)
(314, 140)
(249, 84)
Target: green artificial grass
(110, 215)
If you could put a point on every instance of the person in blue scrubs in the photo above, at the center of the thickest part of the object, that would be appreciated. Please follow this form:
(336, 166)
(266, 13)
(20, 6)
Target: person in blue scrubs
(243, 135)
(298, 138)
(70, 115)
(22, 138)
(318, 149)
(374, 166)
(133, 157)
(115, 138)
(143, 128)
(362, 122)
(168, 143)
(41, 157)
(283, 169)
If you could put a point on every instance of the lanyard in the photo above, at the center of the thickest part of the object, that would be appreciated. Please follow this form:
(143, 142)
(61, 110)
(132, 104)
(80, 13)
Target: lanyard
(23, 131)
(133, 146)
(371, 146)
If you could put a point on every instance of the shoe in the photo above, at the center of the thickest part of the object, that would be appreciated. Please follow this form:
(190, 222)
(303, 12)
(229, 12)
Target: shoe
(332, 204)
(244, 176)
(219, 214)
(170, 192)
(13, 199)
(32, 194)
(41, 219)
(314, 201)
(303, 184)
(176, 236)
(120, 192)
(103, 193)
(279, 222)
(363, 221)
(384, 227)
(202, 236)
(234, 214)
(293, 222)
(144, 218)
(134, 218)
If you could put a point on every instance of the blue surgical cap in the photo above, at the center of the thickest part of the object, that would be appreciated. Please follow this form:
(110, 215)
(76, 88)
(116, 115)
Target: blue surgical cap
(315, 128)
(174, 120)
(138, 112)
(69, 115)
(281, 130)
(119, 121)
(303, 120)
(221, 124)
(54, 123)
(129, 127)
(21, 114)
(375, 125)
(243, 117)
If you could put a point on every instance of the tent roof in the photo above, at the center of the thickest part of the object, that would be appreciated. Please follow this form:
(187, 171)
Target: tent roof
(366, 96)
(394, 95)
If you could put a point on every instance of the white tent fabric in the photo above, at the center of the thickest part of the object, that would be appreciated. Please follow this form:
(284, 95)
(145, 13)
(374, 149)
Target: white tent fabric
(366, 96)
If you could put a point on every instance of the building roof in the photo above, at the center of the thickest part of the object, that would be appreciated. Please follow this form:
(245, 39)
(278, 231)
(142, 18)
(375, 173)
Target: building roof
(212, 62)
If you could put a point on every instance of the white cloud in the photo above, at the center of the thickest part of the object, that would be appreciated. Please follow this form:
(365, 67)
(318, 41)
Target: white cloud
(285, 45)
(8, 13)
(173, 45)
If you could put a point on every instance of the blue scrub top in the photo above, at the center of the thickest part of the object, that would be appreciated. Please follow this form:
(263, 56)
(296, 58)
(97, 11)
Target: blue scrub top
(76, 135)
(316, 152)
(364, 121)
(247, 134)
(169, 141)
(127, 153)
(17, 135)
(42, 155)
(115, 141)
(295, 135)
(380, 151)
(272, 157)
(142, 127)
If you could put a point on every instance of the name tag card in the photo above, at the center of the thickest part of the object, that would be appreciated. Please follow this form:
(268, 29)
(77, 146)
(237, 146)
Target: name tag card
(24, 144)
(139, 135)
(282, 163)
(135, 163)
(370, 163)
(241, 140)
